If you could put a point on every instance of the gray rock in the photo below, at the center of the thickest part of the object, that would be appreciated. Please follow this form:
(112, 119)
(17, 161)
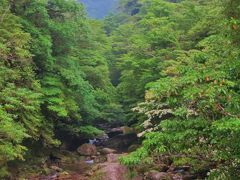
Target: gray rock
(87, 150)
(56, 168)
(108, 151)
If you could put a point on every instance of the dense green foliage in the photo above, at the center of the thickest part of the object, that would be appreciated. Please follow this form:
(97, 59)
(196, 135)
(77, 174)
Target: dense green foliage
(185, 58)
(174, 65)
(54, 75)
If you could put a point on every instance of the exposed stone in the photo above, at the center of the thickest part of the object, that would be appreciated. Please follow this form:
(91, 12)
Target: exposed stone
(87, 150)
(112, 158)
(121, 142)
(115, 131)
(108, 151)
(120, 130)
(56, 168)
(102, 137)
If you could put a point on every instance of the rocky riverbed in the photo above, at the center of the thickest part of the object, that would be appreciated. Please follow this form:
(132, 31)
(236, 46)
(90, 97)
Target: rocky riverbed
(100, 161)
(97, 161)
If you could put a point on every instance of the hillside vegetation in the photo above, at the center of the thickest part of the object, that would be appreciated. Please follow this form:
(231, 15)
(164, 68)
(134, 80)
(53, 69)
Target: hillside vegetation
(168, 68)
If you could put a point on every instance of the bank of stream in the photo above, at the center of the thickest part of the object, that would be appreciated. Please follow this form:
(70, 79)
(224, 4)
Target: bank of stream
(94, 160)
(98, 159)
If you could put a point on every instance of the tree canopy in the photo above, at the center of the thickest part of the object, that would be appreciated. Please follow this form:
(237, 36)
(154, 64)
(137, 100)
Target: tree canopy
(168, 68)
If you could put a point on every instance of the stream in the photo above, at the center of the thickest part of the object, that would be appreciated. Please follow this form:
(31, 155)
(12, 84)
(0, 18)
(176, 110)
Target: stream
(99, 160)
(96, 160)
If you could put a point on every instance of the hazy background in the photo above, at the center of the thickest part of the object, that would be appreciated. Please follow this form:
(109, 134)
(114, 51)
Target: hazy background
(99, 8)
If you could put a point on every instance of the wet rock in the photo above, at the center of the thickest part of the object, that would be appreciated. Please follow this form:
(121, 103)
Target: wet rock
(108, 151)
(113, 158)
(115, 131)
(121, 142)
(56, 168)
(102, 137)
(120, 130)
(87, 150)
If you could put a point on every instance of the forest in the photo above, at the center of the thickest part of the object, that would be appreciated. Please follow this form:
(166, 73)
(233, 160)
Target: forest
(166, 71)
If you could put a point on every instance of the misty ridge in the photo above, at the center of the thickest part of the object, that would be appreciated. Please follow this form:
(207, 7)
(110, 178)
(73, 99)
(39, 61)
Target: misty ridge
(99, 8)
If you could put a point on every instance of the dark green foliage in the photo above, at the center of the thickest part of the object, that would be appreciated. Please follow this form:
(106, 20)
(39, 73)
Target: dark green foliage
(182, 56)
(20, 92)
(175, 66)
(54, 75)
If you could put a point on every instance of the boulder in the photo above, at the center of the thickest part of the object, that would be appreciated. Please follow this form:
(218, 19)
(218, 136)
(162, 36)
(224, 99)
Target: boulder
(108, 151)
(120, 130)
(87, 150)
(115, 131)
(113, 158)
(56, 168)
(121, 142)
(102, 137)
